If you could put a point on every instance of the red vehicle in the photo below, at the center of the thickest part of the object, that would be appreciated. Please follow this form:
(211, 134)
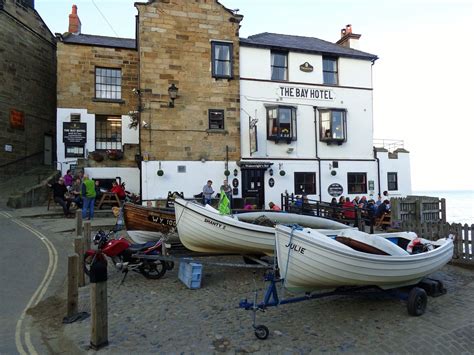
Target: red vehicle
(124, 255)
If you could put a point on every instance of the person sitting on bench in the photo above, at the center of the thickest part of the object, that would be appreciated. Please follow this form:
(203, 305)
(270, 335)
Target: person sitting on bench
(59, 195)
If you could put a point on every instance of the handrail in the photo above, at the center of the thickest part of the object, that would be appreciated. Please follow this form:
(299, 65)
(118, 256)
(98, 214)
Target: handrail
(21, 159)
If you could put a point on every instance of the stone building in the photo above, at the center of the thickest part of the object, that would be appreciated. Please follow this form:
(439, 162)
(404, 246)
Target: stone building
(27, 88)
(192, 46)
(96, 101)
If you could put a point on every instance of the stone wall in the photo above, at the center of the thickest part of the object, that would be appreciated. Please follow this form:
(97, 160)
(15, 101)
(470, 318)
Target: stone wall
(27, 82)
(76, 82)
(76, 77)
(175, 48)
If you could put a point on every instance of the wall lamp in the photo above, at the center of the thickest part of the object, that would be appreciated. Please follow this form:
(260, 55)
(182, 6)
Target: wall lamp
(173, 93)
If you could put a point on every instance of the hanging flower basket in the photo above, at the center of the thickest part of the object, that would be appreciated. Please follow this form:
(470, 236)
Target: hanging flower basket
(114, 154)
(160, 172)
(226, 172)
(96, 156)
(282, 172)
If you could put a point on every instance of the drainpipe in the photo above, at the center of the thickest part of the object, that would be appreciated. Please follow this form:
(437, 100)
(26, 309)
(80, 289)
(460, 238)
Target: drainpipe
(140, 108)
(378, 170)
(315, 108)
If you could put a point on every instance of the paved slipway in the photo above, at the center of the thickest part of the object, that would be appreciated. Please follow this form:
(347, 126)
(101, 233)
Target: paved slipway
(163, 316)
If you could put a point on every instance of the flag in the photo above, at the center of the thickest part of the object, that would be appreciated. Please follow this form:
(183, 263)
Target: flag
(224, 203)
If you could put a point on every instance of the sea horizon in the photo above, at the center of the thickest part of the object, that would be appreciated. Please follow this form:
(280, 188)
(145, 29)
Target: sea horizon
(459, 204)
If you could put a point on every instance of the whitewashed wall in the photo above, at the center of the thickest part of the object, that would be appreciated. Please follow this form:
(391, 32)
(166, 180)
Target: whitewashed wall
(401, 166)
(131, 176)
(190, 183)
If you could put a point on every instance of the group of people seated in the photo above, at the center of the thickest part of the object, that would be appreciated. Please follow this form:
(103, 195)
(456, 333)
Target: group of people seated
(370, 207)
(81, 191)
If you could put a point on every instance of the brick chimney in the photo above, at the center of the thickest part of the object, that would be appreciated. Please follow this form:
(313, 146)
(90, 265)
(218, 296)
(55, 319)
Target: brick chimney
(349, 39)
(74, 22)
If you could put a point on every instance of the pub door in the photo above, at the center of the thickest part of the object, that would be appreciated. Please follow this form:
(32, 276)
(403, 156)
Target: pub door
(253, 186)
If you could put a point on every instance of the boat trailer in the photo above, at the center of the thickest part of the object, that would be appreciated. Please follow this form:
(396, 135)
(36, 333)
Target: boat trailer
(416, 297)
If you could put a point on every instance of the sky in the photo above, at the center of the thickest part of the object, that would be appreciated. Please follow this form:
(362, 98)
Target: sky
(423, 79)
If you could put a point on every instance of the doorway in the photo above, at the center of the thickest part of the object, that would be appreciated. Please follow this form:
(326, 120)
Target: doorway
(253, 186)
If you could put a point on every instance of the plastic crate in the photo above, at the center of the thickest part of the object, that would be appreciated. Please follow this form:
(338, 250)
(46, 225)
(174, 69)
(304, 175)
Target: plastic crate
(190, 274)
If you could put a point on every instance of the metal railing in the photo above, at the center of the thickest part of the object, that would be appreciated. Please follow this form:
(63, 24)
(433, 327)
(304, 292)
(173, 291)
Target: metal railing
(390, 144)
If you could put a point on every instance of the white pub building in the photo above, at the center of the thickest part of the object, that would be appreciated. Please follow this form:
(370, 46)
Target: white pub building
(307, 121)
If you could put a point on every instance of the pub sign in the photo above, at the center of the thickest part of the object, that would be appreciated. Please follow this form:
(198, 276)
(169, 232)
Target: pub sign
(74, 133)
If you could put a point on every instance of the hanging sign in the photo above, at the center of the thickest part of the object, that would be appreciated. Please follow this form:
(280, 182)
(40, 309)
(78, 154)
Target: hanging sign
(253, 135)
(74, 133)
(335, 190)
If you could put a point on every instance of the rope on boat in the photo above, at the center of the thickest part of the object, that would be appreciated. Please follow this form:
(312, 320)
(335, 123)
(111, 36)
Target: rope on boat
(293, 228)
(178, 219)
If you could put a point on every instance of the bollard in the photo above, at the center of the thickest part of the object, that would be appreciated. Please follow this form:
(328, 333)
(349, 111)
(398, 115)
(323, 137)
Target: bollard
(79, 250)
(99, 326)
(72, 285)
(87, 235)
(78, 223)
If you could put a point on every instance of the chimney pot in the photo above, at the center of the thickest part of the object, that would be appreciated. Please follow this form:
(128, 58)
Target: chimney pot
(74, 21)
(349, 28)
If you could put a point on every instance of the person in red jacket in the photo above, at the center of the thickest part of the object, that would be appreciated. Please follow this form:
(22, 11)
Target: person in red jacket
(118, 189)
(348, 209)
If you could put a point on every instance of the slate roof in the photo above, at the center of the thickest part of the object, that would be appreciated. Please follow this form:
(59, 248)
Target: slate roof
(100, 41)
(303, 44)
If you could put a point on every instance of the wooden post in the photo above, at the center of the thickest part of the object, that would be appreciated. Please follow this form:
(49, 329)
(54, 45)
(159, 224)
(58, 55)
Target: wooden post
(78, 223)
(99, 325)
(79, 249)
(443, 210)
(358, 222)
(87, 235)
(418, 212)
(72, 286)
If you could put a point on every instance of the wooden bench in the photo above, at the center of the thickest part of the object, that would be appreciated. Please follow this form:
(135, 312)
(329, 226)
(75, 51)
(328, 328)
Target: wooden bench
(109, 198)
(384, 221)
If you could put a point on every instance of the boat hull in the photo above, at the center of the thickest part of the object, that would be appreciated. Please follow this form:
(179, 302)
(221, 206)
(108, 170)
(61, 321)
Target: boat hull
(203, 229)
(312, 261)
(140, 218)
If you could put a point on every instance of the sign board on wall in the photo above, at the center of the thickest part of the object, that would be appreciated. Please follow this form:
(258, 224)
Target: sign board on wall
(253, 135)
(306, 93)
(335, 190)
(74, 133)
(17, 119)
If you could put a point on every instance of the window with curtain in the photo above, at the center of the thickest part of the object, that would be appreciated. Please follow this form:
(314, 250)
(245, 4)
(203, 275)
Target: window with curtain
(332, 126)
(357, 183)
(108, 132)
(329, 70)
(279, 65)
(281, 123)
(222, 59)
(108, 83)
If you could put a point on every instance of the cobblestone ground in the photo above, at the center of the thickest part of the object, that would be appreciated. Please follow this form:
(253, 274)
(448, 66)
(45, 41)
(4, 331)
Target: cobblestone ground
(163, 316)
(149, 316)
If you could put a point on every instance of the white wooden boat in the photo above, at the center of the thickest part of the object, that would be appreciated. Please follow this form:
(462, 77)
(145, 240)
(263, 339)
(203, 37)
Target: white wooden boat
(203, 229)
(309, 260)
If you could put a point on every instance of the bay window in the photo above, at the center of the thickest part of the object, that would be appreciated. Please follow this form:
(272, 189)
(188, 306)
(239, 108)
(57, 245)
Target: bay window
(332, 125)
(281, 123)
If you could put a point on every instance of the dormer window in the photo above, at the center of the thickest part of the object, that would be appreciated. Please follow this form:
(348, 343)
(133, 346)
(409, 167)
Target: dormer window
(330, 71)
(281, 123)
(332, 126)
(279, 66)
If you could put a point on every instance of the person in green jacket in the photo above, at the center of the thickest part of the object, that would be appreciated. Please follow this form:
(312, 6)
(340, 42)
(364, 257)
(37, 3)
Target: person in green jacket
(88, 197)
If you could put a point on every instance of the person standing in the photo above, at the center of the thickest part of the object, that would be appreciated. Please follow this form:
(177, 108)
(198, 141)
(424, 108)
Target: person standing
(207, 192)
(227, 190)
(88, 197)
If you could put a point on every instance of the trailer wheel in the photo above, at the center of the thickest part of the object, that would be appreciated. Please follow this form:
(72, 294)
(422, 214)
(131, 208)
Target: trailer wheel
(261, 332)
(417, 300)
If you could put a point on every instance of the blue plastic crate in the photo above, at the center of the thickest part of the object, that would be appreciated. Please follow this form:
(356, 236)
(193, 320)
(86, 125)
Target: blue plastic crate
(190, 274)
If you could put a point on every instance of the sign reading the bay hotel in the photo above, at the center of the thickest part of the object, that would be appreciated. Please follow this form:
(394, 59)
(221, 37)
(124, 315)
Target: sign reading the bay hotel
(306, 93)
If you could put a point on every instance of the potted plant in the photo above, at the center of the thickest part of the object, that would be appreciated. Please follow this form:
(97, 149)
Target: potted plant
(226, 172)
(114, 154)
(160, 172)
(282, 172)
(96, 156)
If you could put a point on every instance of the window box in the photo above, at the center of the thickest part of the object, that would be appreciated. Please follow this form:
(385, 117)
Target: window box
(114, 154)
(281, 124)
